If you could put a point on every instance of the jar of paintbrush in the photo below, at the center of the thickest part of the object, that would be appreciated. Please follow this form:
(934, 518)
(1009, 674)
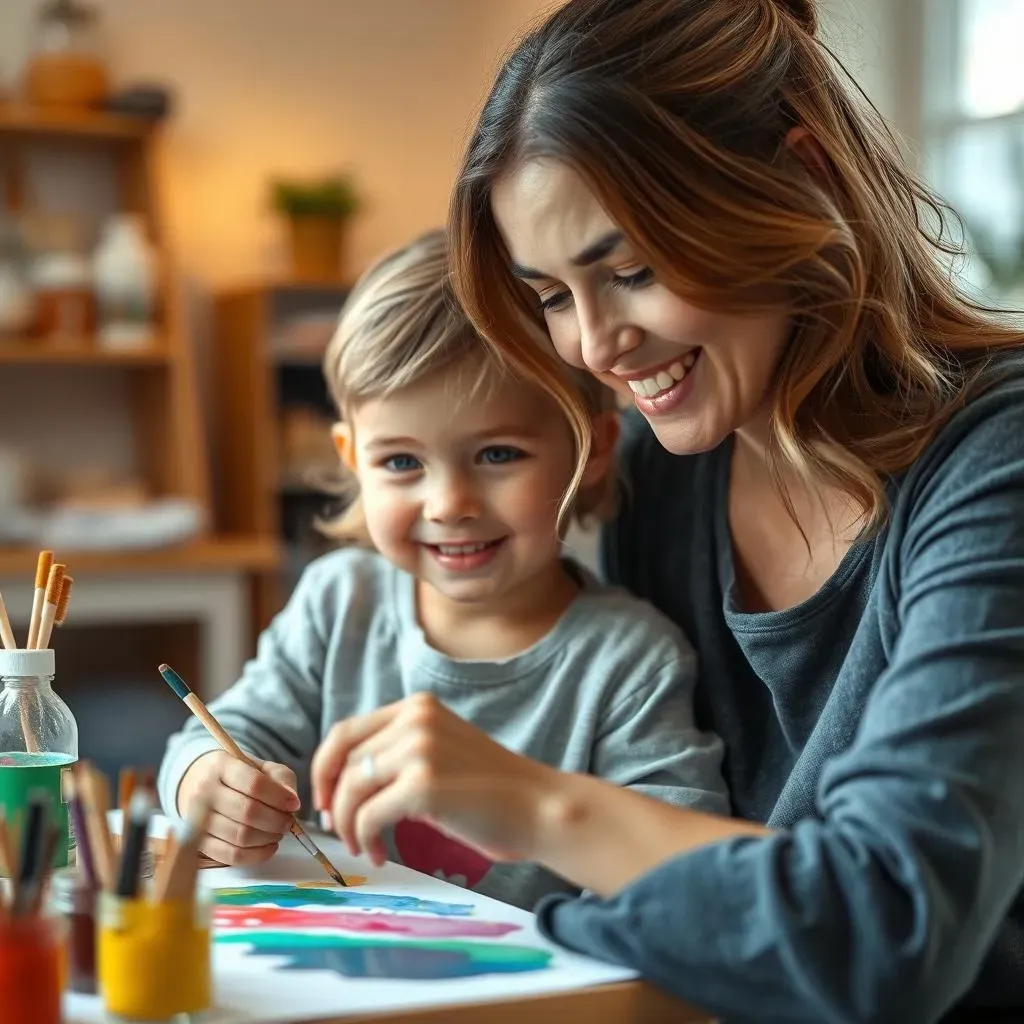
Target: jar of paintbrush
(32, 941)
(38, 742)
(154, 941)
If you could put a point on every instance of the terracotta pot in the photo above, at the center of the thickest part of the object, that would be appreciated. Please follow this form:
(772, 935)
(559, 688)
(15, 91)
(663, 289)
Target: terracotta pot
(66, 80)
(316, 245)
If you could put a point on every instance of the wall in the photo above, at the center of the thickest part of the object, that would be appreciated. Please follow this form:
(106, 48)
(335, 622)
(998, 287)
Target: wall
(385, 88)
(862, 32)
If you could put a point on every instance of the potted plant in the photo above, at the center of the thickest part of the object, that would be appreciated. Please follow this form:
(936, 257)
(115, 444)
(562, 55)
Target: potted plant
(316, 213)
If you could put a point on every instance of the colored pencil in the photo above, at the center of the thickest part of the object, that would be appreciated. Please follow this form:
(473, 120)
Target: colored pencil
(199, 709)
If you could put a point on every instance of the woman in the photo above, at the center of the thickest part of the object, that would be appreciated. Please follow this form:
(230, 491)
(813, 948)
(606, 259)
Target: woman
(828, 495)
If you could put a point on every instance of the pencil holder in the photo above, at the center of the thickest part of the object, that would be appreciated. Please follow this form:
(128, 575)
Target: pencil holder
(31, 969)
(153, 958)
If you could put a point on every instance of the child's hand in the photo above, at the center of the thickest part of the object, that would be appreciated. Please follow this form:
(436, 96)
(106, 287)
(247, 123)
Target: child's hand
(250, 810)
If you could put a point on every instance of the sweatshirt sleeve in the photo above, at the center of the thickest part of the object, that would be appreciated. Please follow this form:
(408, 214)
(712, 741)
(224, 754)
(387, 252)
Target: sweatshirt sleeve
(649, 742)
(273, 712)
(882, 906)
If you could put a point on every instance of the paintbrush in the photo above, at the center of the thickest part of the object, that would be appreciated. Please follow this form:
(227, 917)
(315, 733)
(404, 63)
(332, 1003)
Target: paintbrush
(51, 599)
(134, 828)
(6, 633)
(32, 846)
(65, 600)
(43, 563)
(55, 607)
(176, 876)
(92, 787)
(216, 730)
(7, 865)
(78, 821)
(44, 864)
(125, 788)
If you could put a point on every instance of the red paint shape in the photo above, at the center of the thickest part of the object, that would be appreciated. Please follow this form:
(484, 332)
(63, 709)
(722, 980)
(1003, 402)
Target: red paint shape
(423, 848)
(228, 919)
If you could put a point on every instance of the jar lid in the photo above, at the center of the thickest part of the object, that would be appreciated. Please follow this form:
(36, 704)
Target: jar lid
(26, 663)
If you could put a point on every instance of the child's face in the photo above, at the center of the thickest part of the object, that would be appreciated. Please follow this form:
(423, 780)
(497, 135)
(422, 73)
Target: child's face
(464, 493)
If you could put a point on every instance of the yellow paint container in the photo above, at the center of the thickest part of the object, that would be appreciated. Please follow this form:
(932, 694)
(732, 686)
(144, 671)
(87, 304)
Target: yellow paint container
(153, 959)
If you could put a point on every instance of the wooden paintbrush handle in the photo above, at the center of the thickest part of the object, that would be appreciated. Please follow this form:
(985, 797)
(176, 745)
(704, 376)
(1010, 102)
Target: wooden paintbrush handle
(198, 708)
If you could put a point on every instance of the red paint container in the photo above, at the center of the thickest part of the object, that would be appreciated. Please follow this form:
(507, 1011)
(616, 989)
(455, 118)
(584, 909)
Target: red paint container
(32, 950)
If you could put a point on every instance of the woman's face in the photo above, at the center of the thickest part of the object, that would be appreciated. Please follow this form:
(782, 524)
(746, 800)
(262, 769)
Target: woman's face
(696, 376)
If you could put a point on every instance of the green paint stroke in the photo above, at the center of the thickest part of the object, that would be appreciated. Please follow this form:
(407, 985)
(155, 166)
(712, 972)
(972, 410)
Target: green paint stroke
(358, 957)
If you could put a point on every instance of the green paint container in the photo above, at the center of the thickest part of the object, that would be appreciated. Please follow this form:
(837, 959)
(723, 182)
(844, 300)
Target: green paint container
(38, 744)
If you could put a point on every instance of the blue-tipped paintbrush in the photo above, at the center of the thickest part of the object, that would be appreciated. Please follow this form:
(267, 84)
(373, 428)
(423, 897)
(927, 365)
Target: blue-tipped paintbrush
(217, 731)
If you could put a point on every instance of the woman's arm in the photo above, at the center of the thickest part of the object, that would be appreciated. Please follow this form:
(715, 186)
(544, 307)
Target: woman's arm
(602, 838)
(883, 905)
(417, 759)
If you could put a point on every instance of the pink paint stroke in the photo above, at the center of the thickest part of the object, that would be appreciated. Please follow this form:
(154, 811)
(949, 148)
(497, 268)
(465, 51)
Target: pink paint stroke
(229, 918)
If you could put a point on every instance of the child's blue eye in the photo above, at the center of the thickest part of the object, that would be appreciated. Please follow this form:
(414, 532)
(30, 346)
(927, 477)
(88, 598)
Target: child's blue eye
(401, 464)
(498, 455)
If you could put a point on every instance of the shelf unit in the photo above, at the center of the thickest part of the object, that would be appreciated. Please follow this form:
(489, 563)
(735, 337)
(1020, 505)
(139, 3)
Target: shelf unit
(258, 382)
(160, 378)
(78, 352)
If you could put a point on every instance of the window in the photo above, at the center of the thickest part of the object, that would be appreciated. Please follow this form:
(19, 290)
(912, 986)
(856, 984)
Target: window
(973, 123)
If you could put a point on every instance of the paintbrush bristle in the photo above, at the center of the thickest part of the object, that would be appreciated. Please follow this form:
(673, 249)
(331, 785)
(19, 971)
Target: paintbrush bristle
(43, 563)
(54, 581)
(62, 603)
(174, 681)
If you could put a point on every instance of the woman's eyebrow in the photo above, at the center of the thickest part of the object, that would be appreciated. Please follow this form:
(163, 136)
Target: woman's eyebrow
(591, 254)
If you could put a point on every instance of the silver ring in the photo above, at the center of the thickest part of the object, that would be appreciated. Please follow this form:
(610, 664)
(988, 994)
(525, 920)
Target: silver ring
(368, 768)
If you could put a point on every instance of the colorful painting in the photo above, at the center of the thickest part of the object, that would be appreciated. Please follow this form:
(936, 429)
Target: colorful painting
(366, 934)
(288, 949)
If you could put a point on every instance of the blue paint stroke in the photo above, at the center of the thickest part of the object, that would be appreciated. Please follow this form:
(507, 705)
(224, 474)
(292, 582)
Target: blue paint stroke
(408, 961)
(296, 896)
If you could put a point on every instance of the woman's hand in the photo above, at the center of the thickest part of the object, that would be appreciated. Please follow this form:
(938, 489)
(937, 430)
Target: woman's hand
(416, 759)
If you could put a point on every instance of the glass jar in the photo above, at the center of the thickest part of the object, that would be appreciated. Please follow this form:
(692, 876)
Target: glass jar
(66, 68)
(38, 741)
(73, 898)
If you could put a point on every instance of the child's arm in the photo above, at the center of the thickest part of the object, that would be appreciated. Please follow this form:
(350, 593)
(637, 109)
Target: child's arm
(274, 713)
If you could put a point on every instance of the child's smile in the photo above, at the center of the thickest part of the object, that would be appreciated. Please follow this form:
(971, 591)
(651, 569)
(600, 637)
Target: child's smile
(463, 492)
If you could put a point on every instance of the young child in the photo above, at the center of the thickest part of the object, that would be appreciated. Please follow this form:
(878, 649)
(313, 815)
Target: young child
(452, 583)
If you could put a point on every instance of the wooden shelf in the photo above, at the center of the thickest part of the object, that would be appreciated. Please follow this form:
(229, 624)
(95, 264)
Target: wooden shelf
(80, 353)
(288, 283)
(21, 119)
(243, 554)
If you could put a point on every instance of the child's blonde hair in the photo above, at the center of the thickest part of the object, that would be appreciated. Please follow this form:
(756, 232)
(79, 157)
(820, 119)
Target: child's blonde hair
(402, 323)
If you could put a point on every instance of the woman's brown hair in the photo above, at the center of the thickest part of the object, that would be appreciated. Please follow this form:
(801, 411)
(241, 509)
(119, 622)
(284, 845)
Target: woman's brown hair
(676, 115)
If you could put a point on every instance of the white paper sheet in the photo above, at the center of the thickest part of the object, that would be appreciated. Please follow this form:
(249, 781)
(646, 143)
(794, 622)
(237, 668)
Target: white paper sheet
(457, 931)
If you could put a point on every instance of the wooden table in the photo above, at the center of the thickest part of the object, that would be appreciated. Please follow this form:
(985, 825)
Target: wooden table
(631, 1002)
